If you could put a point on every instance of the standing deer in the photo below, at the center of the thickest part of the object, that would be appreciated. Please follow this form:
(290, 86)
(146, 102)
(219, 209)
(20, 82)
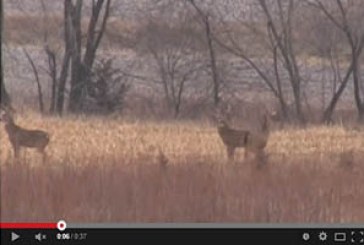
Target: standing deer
(252, 141)
(21, 137)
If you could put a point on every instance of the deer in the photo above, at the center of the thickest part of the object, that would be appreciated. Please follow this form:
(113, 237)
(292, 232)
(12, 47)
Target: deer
(253, 142)
(20, 137)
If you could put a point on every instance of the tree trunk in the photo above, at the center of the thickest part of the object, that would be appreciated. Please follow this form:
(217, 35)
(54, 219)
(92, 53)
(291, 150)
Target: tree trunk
(77, 78)
(81, 68)
(66, 58)
(215, 77)
(356, 80)
(209, 38)
(5, 98)
(39, 87)
(52, 66)
(327, 116)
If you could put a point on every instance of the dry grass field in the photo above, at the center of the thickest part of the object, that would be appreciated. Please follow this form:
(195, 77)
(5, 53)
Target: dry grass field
(114, 170)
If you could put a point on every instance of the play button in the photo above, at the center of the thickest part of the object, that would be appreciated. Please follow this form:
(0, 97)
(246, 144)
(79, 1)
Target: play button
(14, 236)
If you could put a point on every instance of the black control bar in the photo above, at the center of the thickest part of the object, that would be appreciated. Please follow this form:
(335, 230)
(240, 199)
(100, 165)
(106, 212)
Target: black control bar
(186, 235)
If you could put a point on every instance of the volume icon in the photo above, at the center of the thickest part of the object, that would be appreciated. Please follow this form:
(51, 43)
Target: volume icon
(40, 237)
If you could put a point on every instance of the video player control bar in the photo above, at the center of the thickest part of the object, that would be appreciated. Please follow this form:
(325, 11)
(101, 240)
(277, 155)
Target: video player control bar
(62, 233)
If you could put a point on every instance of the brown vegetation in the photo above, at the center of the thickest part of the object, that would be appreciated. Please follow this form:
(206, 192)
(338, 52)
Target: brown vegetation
(117, 171)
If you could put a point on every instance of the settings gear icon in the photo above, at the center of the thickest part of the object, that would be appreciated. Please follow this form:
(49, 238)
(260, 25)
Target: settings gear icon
(323, 236)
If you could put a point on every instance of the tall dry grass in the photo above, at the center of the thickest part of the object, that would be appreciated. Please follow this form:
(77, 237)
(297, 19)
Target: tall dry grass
(110, 170)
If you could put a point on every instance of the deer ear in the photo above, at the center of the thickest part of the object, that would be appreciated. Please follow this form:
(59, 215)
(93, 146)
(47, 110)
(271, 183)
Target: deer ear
(274, 114)
(6, 112)
(2, 111)
(7, 108)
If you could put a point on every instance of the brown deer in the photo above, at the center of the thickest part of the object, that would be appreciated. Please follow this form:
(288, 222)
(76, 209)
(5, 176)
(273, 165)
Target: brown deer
(21, 137)
(252, 141)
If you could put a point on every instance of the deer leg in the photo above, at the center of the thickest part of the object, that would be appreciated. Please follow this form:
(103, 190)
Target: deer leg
(261, 157)
(43, 153)
(230, 152)
(44, 157)
(16, 151)
(246, 154)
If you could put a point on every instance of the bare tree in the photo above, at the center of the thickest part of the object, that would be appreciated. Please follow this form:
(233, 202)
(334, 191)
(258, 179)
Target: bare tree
(325, 42)
(276, 39)
(81, 66)
(205, 18)
(175, 60)
(58, 80)
(284, 42)
(347, 17)
(76, 64)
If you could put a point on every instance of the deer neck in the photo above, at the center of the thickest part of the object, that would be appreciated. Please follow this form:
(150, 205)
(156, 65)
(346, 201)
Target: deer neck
(11, 126)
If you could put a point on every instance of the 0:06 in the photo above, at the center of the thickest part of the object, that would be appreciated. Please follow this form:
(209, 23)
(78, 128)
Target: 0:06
(63, 236)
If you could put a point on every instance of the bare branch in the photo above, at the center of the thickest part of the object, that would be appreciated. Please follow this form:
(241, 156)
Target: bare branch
(39, 87)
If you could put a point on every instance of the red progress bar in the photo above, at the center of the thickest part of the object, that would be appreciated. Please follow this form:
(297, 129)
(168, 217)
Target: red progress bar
(28, 225)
